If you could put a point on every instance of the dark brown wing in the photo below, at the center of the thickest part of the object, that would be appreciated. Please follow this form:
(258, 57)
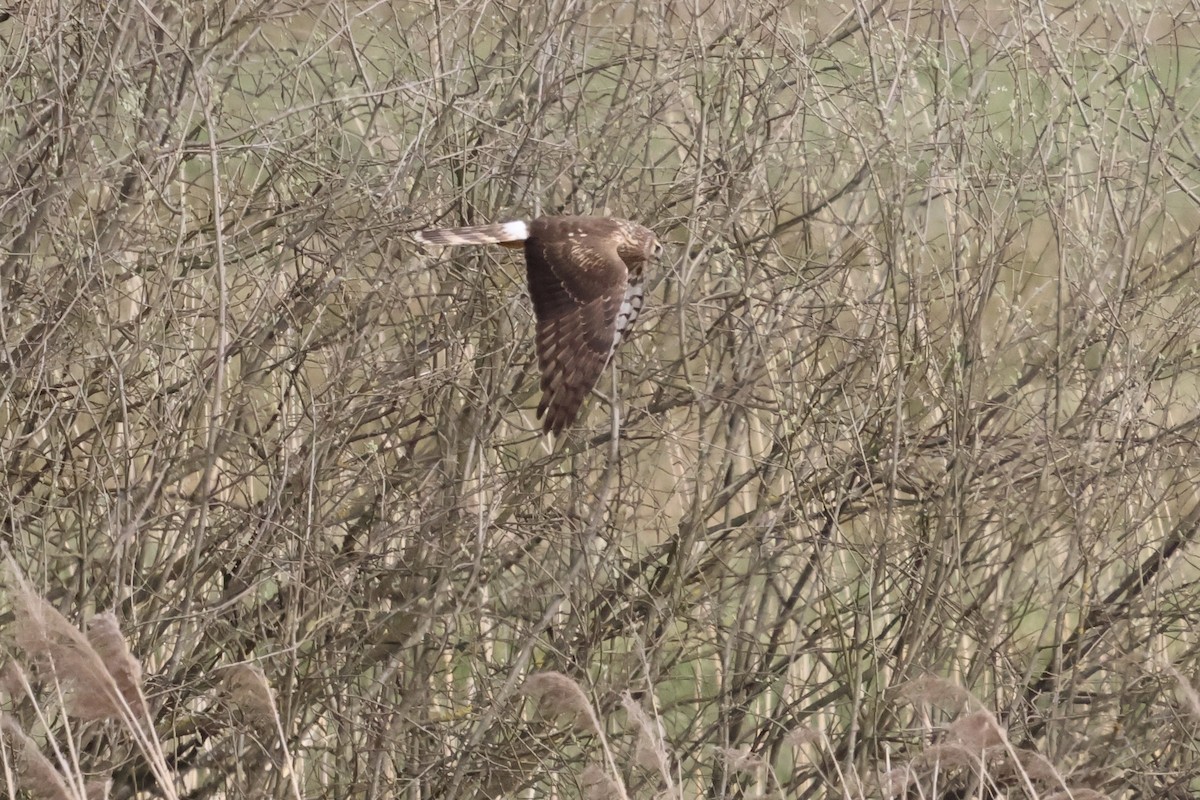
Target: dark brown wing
(577, 284)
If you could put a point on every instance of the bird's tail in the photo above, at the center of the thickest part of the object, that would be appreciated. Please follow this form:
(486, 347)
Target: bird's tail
(509, 234)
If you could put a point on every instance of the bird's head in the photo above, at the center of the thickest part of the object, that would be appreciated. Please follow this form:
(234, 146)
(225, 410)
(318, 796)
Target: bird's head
(640, 243)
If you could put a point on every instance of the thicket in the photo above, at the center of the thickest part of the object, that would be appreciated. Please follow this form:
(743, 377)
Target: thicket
(904, 500)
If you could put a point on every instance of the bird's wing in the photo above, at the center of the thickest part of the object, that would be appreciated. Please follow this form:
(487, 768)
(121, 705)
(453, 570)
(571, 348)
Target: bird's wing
(578, 287)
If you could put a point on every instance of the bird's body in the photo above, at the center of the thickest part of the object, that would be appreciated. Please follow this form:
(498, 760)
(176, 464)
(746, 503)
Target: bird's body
(585, 279)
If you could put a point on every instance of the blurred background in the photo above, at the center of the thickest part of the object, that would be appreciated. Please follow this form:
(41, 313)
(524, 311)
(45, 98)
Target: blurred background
(904, 502)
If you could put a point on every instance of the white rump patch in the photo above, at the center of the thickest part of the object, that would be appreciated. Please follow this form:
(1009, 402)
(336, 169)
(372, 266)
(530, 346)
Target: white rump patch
(516, 231)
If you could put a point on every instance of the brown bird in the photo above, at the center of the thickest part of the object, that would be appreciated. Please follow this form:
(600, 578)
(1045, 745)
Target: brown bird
(585, 279)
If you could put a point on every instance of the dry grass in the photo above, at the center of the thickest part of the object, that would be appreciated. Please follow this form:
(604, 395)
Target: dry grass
(904, 499)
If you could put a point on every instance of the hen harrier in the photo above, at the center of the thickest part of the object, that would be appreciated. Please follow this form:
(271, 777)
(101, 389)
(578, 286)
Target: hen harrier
(585, 279)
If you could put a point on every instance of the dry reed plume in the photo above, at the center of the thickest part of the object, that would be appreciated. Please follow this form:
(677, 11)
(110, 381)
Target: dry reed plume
(102, 678)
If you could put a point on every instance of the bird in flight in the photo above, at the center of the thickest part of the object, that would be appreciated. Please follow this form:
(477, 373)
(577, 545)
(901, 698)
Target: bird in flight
(585, 280)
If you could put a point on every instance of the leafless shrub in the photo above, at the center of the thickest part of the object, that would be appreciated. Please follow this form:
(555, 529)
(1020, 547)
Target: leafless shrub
(914, 392)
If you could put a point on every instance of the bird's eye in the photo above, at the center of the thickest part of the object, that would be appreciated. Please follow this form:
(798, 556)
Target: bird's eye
(658, 249)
